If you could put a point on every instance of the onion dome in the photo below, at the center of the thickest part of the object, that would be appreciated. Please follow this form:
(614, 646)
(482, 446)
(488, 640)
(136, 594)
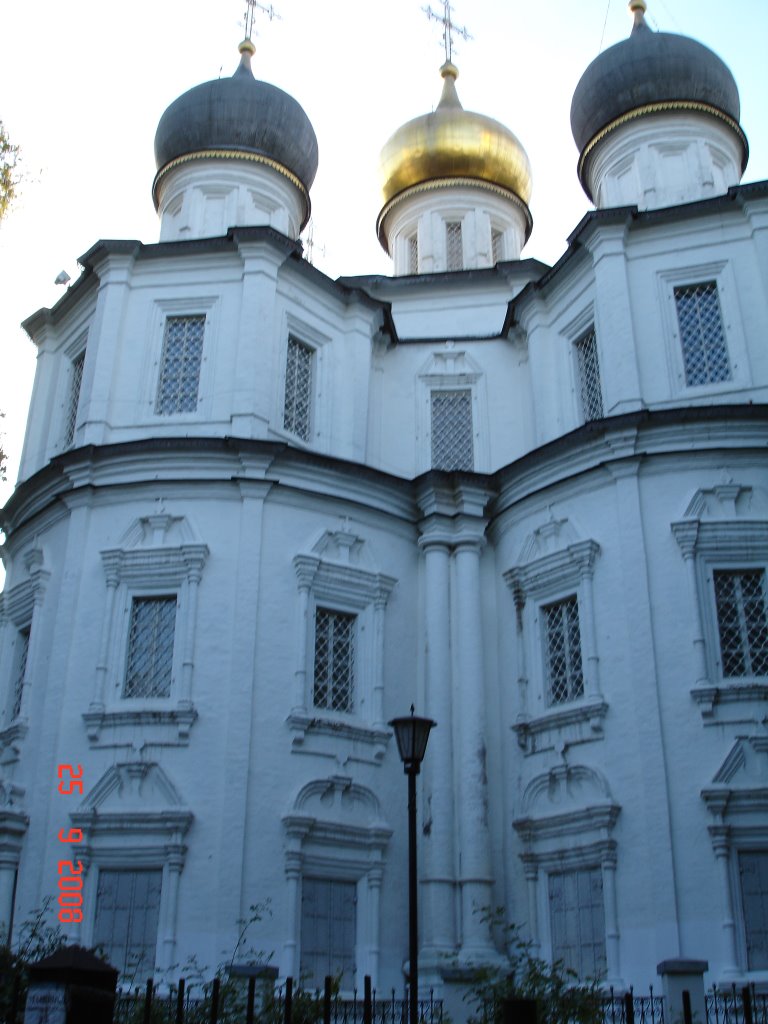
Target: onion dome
(238, 118)
(452, 146)
(649, 73)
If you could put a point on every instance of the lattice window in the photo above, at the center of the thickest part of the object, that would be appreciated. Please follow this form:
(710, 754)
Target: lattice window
(298, 389)
(589, 376)
(413, 254)
(452, 446)
(75, 382)
(742, 622)
(753, 878)
(497, 245)
(20, 670)
(334, 675)
(453, 246)
(125, 924)
(328, 931)
(563, 650)
(180, 364)
(705, 353)
(150, 647)
(577, 920)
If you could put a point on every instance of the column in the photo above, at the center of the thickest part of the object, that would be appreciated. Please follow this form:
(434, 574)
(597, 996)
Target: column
(613, 965)
(375, 876)
(170, 902)
(587, 611)
(686, 535)
(113, 578)
(9, 864)
(302, 628)
(193, 586)
(722, 848)
(438, 876)
(290, 965)
(474, 836)
(377, 708)
(531, 869)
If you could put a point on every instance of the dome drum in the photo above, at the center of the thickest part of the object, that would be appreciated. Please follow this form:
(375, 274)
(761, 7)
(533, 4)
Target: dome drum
(654, 77)
(238, 120)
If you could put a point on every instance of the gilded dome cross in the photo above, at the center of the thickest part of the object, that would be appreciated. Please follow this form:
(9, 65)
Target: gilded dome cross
(449, 29)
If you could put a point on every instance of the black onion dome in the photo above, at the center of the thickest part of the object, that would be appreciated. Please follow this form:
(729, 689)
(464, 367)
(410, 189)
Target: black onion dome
(649, 68)
(239, 115)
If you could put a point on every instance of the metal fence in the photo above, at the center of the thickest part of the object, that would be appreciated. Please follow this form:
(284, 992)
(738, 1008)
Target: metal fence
(629, 1008)
(736, 1005)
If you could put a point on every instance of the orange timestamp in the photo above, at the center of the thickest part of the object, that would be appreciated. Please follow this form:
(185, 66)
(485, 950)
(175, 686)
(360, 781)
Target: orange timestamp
(70, 874)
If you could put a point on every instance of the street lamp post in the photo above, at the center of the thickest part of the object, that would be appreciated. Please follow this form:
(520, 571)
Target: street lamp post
(412, 734)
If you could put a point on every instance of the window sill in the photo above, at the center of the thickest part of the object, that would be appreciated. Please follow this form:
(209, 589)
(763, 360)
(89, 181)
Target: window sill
(311, 736)
(176, 723)
(710, 698)
(563, 726)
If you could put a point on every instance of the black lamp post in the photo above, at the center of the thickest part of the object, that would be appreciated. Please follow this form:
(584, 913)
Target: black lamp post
(412, 734)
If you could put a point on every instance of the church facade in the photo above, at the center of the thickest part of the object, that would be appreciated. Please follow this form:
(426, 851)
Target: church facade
(261, 512)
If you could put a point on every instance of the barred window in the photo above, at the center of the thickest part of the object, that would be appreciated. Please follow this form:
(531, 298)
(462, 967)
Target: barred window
(589, 376)
(562, 639)
(453, 246)
(19, 670)
(180, 364)
(334, 675)
(75, 382)
(497, 245)
(740, 598)
(577, 919)
(705, 353)
(452, 446)
(298, 389)
(126, 919)
(413, 254)
(150, 647)
(753, 878)
(328, 931)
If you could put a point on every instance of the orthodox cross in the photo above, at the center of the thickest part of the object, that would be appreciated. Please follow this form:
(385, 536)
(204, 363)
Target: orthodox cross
(449, 29)
(251, 6)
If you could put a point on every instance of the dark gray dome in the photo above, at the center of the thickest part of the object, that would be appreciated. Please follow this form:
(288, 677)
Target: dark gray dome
(243, 114)
(649, 67)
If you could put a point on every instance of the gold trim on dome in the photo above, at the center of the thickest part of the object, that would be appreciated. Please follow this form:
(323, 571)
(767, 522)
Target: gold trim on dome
(444, 183)
(658, 108)
(232, 154)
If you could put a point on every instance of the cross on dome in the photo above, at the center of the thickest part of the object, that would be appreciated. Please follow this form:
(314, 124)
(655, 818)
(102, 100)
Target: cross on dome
(448, 28)
(251, 6)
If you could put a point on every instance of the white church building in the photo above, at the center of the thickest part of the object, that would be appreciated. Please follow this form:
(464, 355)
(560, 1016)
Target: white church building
(261, 512)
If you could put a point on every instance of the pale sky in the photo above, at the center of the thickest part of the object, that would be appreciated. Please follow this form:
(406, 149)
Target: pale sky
(83, 85)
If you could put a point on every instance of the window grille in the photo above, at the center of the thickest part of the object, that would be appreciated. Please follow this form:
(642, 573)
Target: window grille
(22, 655)
(753, 878)
(497, 245)
(126, 919)
(742, 622)
(150, 647)
(413, 254)
(298, 389)
(589, 376)
(453, 246)
(452, 447)
(563, 650)
(705, 353)
(334, 660)
(328, 931)
(180, 365)
(577, 917)
(75, 381)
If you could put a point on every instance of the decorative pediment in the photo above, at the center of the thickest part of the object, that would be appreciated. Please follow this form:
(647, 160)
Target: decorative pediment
(564, 788)
(738, 795)
(340, 564)
(132, 786)
(554, 535)
(746, 764)
(163, 545)
(336, 809)
(728, 500)
(450, 365)
(552, 557)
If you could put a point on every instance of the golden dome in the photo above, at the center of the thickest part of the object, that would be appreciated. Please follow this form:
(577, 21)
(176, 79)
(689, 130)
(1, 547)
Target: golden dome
(453, 143)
